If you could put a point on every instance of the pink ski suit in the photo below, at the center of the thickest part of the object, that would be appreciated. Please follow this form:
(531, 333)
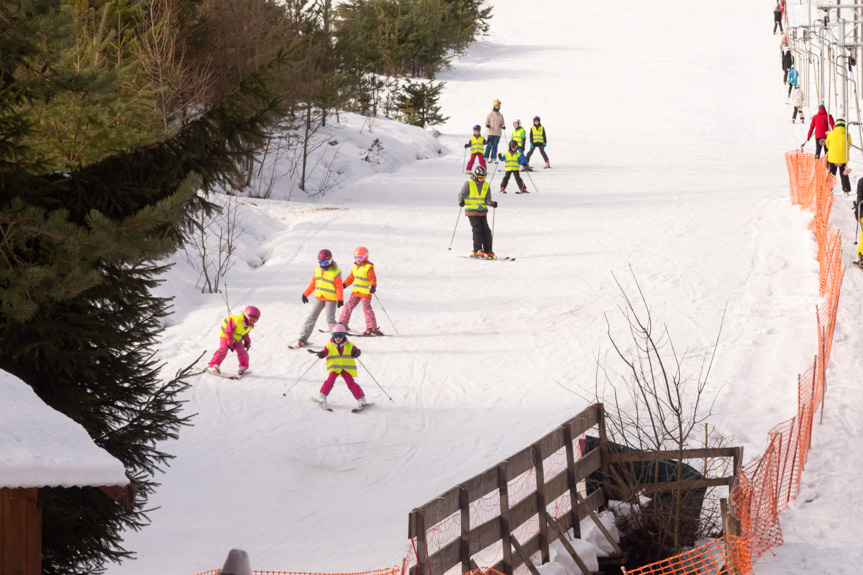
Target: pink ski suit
(234, 334)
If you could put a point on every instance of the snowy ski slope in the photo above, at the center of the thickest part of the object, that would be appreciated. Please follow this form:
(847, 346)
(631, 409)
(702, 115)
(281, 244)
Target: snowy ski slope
(667, 126)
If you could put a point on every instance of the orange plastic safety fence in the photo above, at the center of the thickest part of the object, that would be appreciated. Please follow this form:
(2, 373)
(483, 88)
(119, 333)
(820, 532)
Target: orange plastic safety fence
(391, 571)
(766, 486)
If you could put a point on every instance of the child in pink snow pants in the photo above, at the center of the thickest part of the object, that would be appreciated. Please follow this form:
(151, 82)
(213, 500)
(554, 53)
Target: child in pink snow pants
(341, 360)
(476, 145)
(365, 284)
(234, 335)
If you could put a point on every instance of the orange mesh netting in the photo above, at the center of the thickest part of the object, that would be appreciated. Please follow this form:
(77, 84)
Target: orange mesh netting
(767, 485)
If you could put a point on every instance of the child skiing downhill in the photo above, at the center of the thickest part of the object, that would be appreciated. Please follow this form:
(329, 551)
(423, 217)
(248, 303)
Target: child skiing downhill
(476, 145)
(327, 286)
(365, 284)
(235, 328)
(519, 135)
(538, 139)
(341, 360)
(475, 197)
(512, 157)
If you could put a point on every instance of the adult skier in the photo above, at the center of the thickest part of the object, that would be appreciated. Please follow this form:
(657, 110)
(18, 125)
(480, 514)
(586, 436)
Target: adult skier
(512, 157)
(777, 18)
(797, 99)
(476, 145)
(341, 357)
(234, 336)
(327, 286)
(821, 123)
(365, 283)
(538, 139)
(838, 144)
(475, 197)
(793, 77)
(495, 124)
(787, 62)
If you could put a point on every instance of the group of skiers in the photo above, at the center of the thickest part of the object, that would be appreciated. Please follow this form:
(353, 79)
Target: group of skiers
(327, 287)
(475, 194)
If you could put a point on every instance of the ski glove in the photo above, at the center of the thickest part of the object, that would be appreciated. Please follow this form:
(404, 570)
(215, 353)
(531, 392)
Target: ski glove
(322, 354)
(461, 203)
(355, 352)
(340, 303)
(247, 345)
(500, 157)
(493, 204)
(466, 146)
(373, 289)
(545, 144)
(488, 126)
(305, 299)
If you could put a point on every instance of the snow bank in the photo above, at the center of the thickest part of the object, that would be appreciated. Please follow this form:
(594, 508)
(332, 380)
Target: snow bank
(41, 447)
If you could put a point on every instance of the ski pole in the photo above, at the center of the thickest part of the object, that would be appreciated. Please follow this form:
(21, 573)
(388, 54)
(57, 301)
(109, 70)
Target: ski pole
(373, 379)
(493, 214)
(225, 297)
(386, 314)
(857, 227)
(301, 377)
(454, 229)
(463, 159)
(496, 165)
(531, 181)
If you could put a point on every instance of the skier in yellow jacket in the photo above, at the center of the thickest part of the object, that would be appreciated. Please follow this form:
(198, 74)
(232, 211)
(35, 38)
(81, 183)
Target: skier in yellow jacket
(838, 144)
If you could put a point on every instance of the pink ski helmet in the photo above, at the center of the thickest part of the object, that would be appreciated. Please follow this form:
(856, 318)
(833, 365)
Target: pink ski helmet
(325, 257)
(339, 330)
(252, 314)
(361, 254)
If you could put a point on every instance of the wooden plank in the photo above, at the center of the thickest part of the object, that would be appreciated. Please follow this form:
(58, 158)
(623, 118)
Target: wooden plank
(671, 454)
(505, 525)
(518, 463)
(583, 421)
(422, 547)
(5, 527)
(524, 556)
(481, 485)
(601, 527)
(687, 484)
(551, 442)
(464, 539)
(445, 558)
(603, 449)
(571, 483)
(588, 464)
(541, 502)
(591, 503)
(440, 508)
(561, 536)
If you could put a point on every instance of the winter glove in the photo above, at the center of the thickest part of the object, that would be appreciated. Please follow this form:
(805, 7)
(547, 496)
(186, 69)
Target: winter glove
(373, 289)
(500, 157)
(466, 146)
(493, 204)
(532, 145)
(231, 347)
(305, 299)
(340, 303)
(488, 126)
(545, 144)
(461, 203)
(355, 352)
(322, 354)
(247, 345)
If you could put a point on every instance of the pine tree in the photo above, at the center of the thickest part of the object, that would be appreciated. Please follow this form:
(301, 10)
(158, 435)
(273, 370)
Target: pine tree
(418, 103)
(79, 257)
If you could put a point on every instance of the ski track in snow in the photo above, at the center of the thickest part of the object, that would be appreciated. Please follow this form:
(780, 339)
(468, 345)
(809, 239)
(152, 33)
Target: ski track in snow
(667, 148)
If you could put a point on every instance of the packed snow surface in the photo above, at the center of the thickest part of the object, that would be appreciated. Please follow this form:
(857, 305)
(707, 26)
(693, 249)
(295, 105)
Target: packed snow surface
(41, 447)
(667, 125)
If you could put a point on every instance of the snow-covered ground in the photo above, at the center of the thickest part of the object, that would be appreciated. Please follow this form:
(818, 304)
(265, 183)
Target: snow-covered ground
(667, 123)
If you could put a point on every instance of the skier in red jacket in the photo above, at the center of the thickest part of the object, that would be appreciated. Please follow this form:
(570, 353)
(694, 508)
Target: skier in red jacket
(821, 123)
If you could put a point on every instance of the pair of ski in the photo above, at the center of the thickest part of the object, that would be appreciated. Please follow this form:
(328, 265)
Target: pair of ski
(357, 334)
(518, 192)
(222, 375)
(325, 407)
(507, 259)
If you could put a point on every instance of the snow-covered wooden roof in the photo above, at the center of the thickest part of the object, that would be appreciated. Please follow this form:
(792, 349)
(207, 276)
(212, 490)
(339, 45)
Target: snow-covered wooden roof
(41, 447)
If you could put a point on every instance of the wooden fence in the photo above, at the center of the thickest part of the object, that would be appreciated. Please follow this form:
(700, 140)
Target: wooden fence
(494, 484)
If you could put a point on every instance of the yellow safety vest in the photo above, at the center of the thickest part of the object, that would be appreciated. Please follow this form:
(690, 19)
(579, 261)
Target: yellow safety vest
(341, 362)
(240, 327)
(476, 199)
(519, 135)
(325, 283)
(537, 136)
(361, 278)
(476, 144)
(511, 158)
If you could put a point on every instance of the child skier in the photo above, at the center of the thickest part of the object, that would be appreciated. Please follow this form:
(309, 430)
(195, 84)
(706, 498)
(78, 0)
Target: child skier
(519, 135)
(234, 329)
(341, 360)
(538, 139)
(797, 99)
(476, 145)
(512, 157)
(474, 197)
(793, 79)
(327, 286)
(365, 284)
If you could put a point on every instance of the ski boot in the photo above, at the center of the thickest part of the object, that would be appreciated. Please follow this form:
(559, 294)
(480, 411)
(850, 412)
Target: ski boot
(547, 166)
(214, 369)
(373, 331)
(242, 371)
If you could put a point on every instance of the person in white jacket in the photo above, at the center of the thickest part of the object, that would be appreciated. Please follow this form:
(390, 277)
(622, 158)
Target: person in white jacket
(797, 98)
